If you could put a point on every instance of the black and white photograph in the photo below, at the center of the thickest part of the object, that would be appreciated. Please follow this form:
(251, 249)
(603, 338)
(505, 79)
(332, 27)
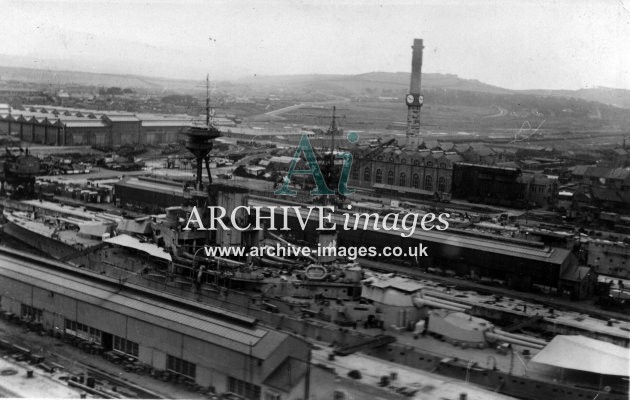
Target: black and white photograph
(315, 199)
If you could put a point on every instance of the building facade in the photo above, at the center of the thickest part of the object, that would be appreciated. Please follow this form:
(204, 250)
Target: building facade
(421, 172)
(609, 258)
(71, 127)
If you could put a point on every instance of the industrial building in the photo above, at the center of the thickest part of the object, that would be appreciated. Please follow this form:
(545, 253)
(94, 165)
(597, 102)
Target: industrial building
(149, 194)
(609, 258)
(488, 184)
(518, 264)
(74, 127)
(419, 172)
(212, 347)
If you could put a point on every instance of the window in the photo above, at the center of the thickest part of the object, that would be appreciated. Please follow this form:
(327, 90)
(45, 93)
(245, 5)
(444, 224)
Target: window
(125, 346)
(429, 164)
(83, 331)
(415, 181)
(366, 174)
(402, 180)
(379, 176)
(242, 388)
(428, 182)
(390, 178)
(31, 313)
(180, 366)
(355, 173)
(441, 184)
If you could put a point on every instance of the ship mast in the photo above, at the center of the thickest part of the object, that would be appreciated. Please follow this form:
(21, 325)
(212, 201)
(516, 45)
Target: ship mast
(200, 142)
(208, 99)
(333, 131)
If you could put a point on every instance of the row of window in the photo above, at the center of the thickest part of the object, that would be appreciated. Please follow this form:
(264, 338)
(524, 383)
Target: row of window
(32, 313)
(416, 163)
(125, 346)
(242, 388)
(180, 366)
(402, 179)
(539, 189)
(84, 331)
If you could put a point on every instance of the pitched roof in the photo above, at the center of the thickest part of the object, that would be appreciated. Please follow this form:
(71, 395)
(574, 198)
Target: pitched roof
(604, 194)
(483, 151)
(575, 273)
(447, 146)
(579, 170)
(585, 354)
(618, 173)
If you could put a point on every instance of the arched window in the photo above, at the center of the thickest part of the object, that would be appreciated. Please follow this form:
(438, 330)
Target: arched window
(441, 184)
(379, 176)
(402, 179)
(366, 174)
(415, 181)
(428, 183)
(390, 178)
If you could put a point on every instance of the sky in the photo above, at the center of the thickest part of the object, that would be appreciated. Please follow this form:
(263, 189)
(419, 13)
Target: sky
(516, 44)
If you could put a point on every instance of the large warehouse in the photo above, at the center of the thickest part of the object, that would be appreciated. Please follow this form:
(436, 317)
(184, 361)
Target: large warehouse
(213, 347)
(74, 127)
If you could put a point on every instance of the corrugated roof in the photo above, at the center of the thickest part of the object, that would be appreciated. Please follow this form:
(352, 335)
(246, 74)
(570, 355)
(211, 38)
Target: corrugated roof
(133, 182)
(88, 123)
(165, 122)
(579, 170)
(618, 173)
(121, 117)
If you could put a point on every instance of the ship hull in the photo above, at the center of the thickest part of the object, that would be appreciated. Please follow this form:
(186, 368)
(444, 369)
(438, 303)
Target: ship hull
(46, 245)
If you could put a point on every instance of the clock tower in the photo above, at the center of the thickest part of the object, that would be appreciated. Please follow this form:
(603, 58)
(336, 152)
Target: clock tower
(414, 100)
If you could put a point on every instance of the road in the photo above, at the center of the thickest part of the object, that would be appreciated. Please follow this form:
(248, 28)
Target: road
(277, 113)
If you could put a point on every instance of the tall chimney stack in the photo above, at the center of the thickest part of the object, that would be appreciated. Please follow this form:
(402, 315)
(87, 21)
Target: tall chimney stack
(414, 99)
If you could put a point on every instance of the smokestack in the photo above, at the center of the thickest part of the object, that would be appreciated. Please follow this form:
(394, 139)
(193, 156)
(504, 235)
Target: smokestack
(414, 99)
(416, 66)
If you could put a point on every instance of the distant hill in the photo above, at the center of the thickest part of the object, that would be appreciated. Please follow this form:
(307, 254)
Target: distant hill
(611, 96)
(384, 83)
(61, 77)
(361, 83)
